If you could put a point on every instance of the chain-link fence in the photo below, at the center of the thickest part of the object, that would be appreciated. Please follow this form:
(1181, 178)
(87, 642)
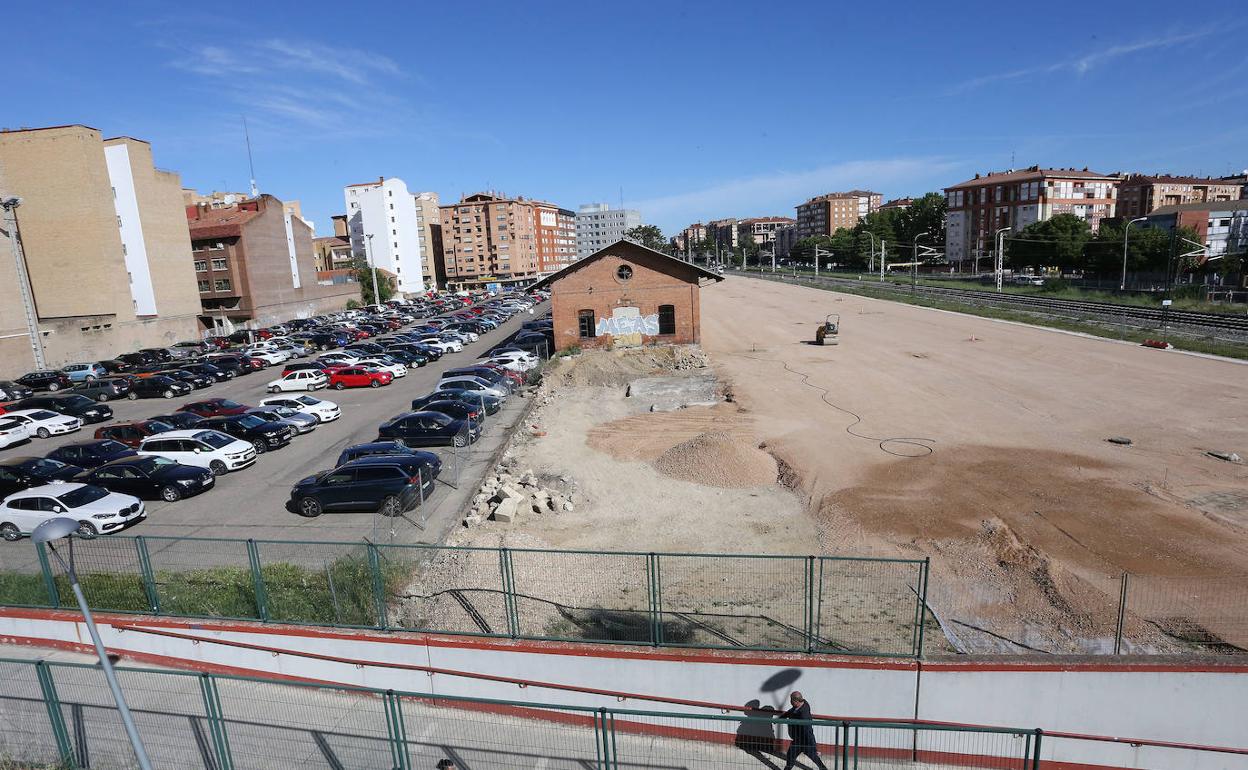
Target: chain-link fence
(63, 715)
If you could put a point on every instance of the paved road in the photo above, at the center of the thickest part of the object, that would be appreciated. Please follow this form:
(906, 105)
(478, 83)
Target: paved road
(251, 503)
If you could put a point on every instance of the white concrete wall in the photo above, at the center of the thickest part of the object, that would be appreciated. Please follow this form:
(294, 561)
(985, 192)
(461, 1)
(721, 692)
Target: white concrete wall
(1174, 703)
(126, 202)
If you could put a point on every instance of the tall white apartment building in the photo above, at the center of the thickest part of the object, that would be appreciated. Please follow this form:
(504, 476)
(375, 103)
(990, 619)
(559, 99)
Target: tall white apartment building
(599, 225)
(387, 211)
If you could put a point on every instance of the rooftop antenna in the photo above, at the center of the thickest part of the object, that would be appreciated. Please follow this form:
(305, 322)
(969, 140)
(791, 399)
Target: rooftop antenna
(251, 166)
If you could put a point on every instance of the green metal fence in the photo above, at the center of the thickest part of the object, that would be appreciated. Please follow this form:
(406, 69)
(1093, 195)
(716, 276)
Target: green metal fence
(843, 605)
(62, 715)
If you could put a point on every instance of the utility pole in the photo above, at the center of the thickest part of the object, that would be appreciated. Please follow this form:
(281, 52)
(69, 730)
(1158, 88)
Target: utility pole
(9, 205)
(372, 269)
(1001, 256)
(883, 254)
(871, 264)
(1126, 234)
(914, 262)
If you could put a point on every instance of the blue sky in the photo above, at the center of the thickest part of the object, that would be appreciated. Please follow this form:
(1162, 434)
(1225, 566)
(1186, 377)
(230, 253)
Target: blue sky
(693, 110)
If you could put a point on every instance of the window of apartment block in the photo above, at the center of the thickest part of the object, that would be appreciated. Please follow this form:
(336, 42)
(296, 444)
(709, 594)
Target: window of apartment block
(204, 286)
(222, 284)
(218, 264)
(667, 319)
(586, 324)
(201, 266)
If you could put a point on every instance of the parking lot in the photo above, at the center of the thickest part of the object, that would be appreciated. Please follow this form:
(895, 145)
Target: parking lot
(251, 503)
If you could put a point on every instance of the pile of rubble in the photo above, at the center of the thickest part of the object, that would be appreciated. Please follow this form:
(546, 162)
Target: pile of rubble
(507, 494)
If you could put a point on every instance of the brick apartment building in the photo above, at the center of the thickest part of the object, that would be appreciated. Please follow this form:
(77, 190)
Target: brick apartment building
(689, 238)
(1140, 194)
(978, 207)
(554, 231)
(762, 229)
(489, 238)
(825, 214)
(332, 252)
(255, 265)
(1222, 226)
(897, 203)
(723, 232)
(626, 295)
(105, 246)
(429, 220)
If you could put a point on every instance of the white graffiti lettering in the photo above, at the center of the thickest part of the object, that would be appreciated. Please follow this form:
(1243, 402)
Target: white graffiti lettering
(619, 327)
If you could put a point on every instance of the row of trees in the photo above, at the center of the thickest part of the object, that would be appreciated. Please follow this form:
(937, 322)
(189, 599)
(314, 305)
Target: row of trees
(895, 228)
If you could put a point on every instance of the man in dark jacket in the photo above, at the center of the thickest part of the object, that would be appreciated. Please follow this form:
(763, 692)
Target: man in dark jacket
(801, 733)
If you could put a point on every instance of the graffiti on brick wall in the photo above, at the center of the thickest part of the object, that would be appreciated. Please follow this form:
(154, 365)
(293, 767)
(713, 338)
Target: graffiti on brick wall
(628, 325)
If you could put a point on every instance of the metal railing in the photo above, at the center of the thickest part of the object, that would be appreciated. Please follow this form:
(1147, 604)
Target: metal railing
(859, 606)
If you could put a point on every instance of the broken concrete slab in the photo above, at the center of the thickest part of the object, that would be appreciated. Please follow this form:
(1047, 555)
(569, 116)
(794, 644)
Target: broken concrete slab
(506, 510)
(667, 394)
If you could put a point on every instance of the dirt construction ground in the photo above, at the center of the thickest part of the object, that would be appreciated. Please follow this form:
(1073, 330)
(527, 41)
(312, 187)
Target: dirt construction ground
(983, 445)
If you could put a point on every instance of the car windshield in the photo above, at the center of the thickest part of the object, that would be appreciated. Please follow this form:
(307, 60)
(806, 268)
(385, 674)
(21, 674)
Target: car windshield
(77, 401)
(111, 446)
(42, 414)
(308, 400)
(284, 411)
(151, 464)
(158, 426)
(82, 495)
(43, 467)
(250, 421)
(214, 439)
(228, 404)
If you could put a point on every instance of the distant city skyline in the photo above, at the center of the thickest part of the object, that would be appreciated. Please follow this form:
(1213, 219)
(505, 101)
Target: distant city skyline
(662, 108)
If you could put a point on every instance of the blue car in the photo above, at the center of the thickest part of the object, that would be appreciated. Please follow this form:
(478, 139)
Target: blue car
(91, 454)
(356, 451)
(85, 372)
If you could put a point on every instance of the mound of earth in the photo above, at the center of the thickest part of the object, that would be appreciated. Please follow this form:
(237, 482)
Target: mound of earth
(718, 459)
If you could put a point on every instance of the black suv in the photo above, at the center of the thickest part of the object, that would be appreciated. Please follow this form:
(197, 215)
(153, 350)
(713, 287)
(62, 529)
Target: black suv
(106, 389)
(46, 379)
(388, 484)
(158, 385)
(356, 451)
(150, 478)
(262, 434)
(429, 429)
(18, 473)
(73, 405)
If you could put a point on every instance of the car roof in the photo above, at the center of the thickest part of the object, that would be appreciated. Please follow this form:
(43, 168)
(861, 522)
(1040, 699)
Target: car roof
(185, 433)
(60, 487)
(381, 459)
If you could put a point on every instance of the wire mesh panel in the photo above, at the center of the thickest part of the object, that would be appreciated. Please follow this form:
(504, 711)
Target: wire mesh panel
(581, 596)
(879, 746)
(27, 738)
(168, 710)
(109, 571)
(1186, 614)
(276, 726)
(494, 735)
(867, 606)
(203, 577)
(447, 589)
(328, 583)
(649, 740)
(21, 576)
(733, 601)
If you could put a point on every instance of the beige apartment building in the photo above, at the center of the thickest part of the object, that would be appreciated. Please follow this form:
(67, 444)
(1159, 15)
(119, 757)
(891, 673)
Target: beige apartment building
(489, 238)
(825, 214)
(1140, 194)
(429, 218)
(761, 229)
(105, 244)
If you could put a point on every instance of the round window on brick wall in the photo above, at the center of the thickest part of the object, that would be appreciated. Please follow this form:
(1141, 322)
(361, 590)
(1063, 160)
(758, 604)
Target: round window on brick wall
(624, 272)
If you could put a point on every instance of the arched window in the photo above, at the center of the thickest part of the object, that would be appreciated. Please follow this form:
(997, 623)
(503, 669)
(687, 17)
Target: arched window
(667, 319)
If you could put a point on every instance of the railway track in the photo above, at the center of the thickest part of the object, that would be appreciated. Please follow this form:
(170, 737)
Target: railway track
(1222, 325)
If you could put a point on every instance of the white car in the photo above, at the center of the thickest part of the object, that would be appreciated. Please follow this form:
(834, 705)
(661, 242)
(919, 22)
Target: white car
(526, 360)
(473, 385)
(214, 450)
(300, 379)
(396, 370)
(446, 346)
(95, 509)
(270, 357)
(12, 432)
(45, 423)
(345, 359)
(509, 364)
(325, 411)
(292, 350)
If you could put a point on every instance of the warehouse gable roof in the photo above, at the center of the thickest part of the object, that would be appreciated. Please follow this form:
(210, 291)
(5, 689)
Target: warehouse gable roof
(626, 248)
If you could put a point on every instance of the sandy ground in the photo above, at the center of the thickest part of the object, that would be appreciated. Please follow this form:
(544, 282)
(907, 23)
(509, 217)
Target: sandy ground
(982, 445)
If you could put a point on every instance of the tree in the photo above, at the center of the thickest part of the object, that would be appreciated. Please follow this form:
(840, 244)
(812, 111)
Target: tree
(1055, 242)
(385, 284)
(925, 216)
(649, 236)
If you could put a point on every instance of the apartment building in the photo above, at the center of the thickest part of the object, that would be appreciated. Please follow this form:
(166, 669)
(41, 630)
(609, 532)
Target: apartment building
(762, 229)
(825, 214)
(105, 248)
(724, 233)
(598, 226)
(1140, 194)
(978, 207)
(332, 252)
(554, 231)
(489, 238)
(785, 239)
(897, 203)
(1222, 226)
(689, 238)
(429, 218)
(255, 265)
(382, 226)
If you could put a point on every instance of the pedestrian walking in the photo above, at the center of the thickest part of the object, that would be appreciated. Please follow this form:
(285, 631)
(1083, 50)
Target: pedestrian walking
(801, 733)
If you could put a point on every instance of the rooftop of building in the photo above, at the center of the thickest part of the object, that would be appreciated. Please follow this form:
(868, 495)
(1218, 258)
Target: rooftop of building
(1135, 179)
(225, 221)
(1033, 173)
(333, 240)
(380, 180)
(762, 220)
(841, 196)
(1239, 205)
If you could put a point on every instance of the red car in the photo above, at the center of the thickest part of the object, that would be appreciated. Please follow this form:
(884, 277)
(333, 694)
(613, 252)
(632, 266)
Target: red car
(132, 433)
(264, 334)
(357, 377)
(512, 375)
(214, 407)
(220, 343)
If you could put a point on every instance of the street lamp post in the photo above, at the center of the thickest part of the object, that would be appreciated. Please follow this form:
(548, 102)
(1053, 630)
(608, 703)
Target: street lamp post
(1000, 266)
(63, 527)
(372, 269)
(1126, 234)
(9, 206)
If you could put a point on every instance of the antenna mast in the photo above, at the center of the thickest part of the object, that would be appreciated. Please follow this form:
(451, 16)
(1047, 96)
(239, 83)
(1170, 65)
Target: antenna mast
(251, 166)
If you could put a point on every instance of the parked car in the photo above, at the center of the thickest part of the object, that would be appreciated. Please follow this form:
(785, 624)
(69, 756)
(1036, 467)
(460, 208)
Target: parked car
(139, 358)
(429, 429)
(84, 372)
(385, 364)
(325, 341)
(356, 451)
(158, 386)
(116, 366)
(161, 355)
(458, 409)
(90, 454)
(268, 357)
(302, 422)
(179, 420)
(14, 391)
(72, 405)
(211, 449)
(262, 434)
(44, 423)
(132, 433)
(150, 478)
(189, 349)
(95, 509)
(494, 376)
(18, 473)
(324, 411)
(357, 377)
(13, 432)
(491, 403)
(235, 364)
(208, 370)
(388, 484)
(472, 385)
(214, 407)
(444, 345)
(298, 366)
(194, 379)
(103, 389)
(300, 379)
(46, 379)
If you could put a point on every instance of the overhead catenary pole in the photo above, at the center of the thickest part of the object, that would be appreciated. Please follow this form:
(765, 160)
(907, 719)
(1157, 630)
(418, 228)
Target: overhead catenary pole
(914, 262)
(1126, 234)
(1000, 264)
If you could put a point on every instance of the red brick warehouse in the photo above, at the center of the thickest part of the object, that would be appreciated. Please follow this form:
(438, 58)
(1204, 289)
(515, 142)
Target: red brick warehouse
(626, 295)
